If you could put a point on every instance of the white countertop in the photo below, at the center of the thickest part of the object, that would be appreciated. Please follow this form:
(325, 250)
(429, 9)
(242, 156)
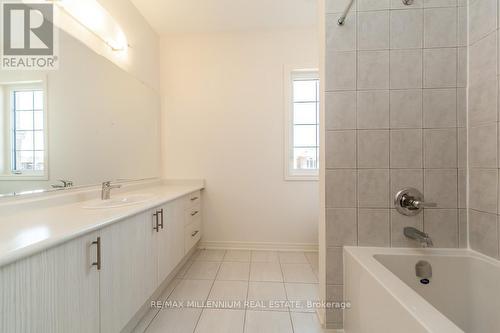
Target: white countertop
(31, 226)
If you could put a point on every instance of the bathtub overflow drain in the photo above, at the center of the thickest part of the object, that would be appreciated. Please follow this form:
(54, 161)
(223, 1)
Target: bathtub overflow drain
(423, 271)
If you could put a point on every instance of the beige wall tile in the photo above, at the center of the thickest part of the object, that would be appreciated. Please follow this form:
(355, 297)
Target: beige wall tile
(440, 68)
(406, 108)
(442, 226)
(406, 148)
(440, 186)
(373, 70)
(373, 109)
(341, 188)
(483, 232)
(341, 227)
(373, 149)
(373, 188)
(440, 150)
(483, 190)
(374, 227)
(340, 110)
(340, 149)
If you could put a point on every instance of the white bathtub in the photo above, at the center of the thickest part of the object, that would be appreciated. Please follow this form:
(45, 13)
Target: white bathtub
(387, 297)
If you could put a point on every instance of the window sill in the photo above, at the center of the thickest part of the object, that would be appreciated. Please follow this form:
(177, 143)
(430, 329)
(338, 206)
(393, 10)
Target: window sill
(302, 178)
(23, 177)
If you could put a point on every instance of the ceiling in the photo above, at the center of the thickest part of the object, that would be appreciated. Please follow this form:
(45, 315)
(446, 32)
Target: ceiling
(183, 16)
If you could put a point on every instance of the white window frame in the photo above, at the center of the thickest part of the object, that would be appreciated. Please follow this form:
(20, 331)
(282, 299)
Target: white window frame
(9, 88)
(290, 73)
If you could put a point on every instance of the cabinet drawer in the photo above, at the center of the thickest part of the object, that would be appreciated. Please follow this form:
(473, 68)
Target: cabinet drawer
(192, 214)
(192, 234)
(192, 199)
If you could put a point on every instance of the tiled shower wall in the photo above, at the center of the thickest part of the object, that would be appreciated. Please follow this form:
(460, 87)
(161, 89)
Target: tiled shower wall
(395, 117)
(483, 126)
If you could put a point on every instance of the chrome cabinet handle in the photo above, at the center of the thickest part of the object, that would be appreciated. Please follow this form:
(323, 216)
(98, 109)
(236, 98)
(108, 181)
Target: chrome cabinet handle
(97, 263)
(194, 198)
(156, 223)
(161, 213)
(195, 233)
(194, 213)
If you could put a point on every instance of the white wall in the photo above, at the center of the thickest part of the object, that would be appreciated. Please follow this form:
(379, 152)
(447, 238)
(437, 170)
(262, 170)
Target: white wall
(222, 107)
(141, 59)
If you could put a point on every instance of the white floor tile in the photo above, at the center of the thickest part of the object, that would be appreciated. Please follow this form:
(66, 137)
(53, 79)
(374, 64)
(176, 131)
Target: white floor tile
(265, 256)
(265, 271)
(268, 322)
(175, 320)
(306, 323)
(300, 294)
(204, 270)
(210, 255)
(237, 255)
(267, 296)
(191, 290)
(231, 271)
(302, 273)
(234, 293)
(221, 321)
(293, 258)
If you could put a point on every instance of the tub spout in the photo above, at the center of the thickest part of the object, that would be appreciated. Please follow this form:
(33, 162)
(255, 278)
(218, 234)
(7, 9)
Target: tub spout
(420, 236)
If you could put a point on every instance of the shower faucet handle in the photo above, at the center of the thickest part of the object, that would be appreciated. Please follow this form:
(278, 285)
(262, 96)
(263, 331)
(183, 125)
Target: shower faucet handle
(422, 204)
(410, 201)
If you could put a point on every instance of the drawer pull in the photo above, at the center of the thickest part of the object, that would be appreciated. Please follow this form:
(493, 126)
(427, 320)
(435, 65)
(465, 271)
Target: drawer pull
(97, 263)
(194, 198)
(195, 233)
(194, 213)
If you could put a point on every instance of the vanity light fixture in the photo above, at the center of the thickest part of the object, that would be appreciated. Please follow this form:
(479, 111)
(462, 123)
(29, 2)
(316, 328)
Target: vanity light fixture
(91, 15)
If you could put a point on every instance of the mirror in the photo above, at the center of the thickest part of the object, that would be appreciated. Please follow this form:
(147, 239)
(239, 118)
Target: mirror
(78, 123)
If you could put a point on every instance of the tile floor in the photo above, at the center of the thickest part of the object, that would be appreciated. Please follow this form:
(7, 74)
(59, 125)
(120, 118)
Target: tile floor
(254, 291)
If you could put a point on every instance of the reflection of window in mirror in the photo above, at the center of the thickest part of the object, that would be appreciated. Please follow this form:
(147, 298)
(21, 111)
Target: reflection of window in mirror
(23, 123)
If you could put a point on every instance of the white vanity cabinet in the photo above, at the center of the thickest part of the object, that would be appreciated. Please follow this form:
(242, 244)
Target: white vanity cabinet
(54, 291)
(128, 269)
(98, 282)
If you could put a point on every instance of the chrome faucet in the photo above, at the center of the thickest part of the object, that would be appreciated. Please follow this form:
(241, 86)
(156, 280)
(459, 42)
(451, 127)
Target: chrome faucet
(106, 190)
(420, 236)
(409, 201)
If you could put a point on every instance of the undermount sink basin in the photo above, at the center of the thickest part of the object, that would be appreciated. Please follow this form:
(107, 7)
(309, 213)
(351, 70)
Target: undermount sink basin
(119, 201)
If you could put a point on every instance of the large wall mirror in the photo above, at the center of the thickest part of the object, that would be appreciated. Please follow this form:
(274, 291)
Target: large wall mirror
(73, 126)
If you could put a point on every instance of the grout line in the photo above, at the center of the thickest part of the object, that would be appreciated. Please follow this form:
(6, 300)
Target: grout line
(209, 292)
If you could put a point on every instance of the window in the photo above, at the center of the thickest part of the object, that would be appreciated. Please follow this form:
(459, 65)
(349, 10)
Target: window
(302, 124)
(27, 131)
(23, 151)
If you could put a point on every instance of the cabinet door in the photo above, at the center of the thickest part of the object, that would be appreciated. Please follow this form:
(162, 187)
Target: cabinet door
(176, 235)
(53, 291)
(170, 240)
(128, 274)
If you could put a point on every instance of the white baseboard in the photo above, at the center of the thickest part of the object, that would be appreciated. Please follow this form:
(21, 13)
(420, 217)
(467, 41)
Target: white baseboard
(305, 247)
